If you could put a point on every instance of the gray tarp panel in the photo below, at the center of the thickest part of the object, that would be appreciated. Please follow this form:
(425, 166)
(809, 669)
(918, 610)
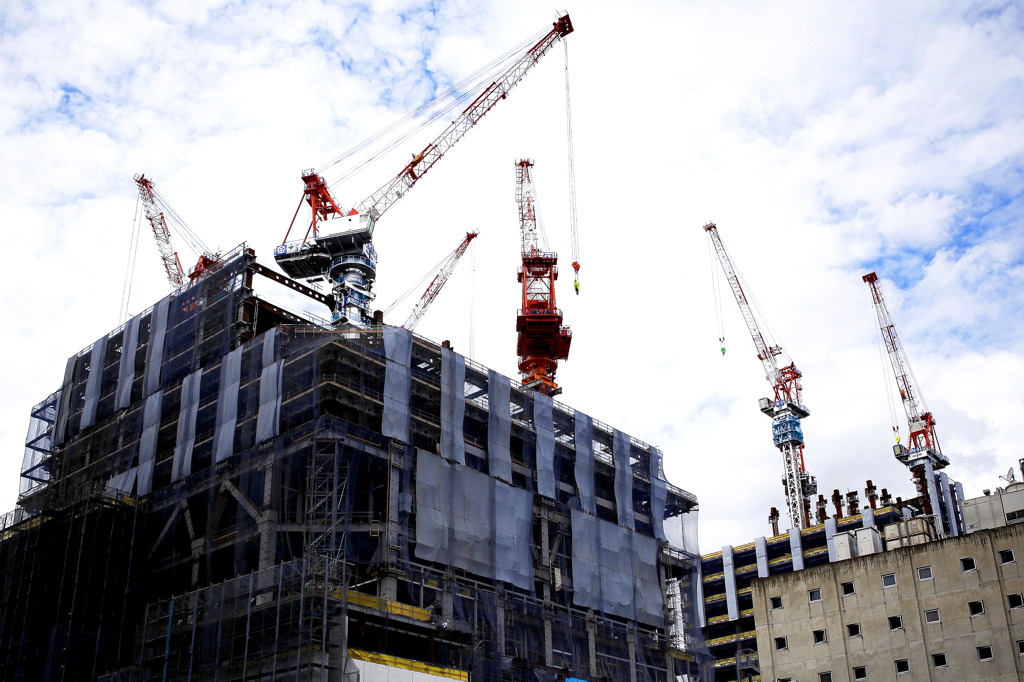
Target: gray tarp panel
(123, 482)
(268, 419)
(269, 346)
(126, 368)
(623, 479)
(97, 359)
(586, 567)
(453, 406)
(584, 468)
(796, 548)
(227, 405)
(499, 426)
(470, 544)
(729, 571)
(433, 507)
(64, 404)
(147, 442)
(544, 425)
(397, 383)
(513, 535)
(659, 494)
(181, 465)
(649, 598)
(155, 349)
(616, 570)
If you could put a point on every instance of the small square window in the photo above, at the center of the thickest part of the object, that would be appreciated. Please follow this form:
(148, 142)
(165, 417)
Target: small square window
(895, 622)
(784, 679)
(1006, 556)
(814, 595)
(931, 616)
(924, 573)
(853, 630)
(860, 672)
(938, 660)
(819, 636)
(902, 666)
(967, 563)
(889, 580)
(847, 588)
(781, 644)
(1015, 600)
(976, 608)
(776, 603)
(1020, 647)
(984, 653)
(825, 677)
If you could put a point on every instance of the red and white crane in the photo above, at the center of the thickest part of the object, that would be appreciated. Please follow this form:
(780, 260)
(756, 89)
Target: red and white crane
(542, 340)
(922, 454)
(786, 408)
(156, 210)
(434, 288)
(347, 258)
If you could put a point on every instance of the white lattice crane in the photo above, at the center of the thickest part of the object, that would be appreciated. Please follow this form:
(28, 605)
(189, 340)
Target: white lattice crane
(786, 408)
(434, 288)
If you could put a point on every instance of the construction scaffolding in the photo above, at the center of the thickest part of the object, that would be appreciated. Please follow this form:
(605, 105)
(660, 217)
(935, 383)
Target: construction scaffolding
(257, 497)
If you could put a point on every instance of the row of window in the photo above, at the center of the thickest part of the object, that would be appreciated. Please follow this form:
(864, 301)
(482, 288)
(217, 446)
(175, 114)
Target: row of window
(902, 665)
(1006, 556)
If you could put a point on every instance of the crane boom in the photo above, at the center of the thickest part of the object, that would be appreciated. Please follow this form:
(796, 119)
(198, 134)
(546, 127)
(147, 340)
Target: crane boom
(347, 257)
(787, 408)
(169, 257)
(434, 288)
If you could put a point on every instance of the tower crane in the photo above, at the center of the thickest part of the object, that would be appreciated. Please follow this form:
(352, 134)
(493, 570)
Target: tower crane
(786, 408)
(542, 341)
(347, 257)
(434, 288)
(155, 209)
(923, 456)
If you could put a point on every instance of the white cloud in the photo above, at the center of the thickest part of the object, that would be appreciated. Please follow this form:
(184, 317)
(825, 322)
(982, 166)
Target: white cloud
(825, 139)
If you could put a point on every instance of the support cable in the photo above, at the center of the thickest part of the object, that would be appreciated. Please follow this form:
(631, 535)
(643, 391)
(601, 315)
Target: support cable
(129, 274)
(573, 228)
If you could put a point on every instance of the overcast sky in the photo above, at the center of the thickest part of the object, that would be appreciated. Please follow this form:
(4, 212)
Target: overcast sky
(825, 139)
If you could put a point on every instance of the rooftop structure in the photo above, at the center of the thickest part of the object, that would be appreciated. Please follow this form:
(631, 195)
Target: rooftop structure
(224, 490)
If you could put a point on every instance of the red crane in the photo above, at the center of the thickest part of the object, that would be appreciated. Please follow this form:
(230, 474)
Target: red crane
(434, 288)
(924, 452)
(543, 341)
(156, 209)
(347, 257)
(787, 408)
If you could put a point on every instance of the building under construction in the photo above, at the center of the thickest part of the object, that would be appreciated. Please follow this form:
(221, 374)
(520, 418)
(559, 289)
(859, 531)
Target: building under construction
(225, 490)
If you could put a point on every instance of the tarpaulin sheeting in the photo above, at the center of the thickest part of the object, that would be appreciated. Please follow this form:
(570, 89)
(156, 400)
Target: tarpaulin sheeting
(453, 406)
(126, 368)
(155, 349)
(499, 426)
(268, 419)
(623, 479)
(227, 405)
(147, 442)
(93, 384)
(584, 466)
(472, 521)
(659, 493)
(543, 424)
(181, 465)
(397, 383)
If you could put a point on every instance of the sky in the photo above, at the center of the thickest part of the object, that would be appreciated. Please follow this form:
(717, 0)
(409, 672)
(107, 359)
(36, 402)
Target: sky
(825, 139)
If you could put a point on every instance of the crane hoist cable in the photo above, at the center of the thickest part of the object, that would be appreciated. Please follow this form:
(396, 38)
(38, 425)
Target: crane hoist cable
(573, 229)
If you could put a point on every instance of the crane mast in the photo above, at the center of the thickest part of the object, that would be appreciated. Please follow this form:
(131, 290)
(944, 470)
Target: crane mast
(347, 258)
(786, 409)
(542, 339)
(169, 257)
(923, 454)
(434, 288)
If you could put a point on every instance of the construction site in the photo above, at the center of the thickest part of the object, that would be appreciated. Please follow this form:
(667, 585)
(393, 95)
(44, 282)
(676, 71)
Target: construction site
(224, 489)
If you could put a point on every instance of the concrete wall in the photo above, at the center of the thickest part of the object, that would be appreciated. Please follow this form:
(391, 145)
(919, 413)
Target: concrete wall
(957, 634)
